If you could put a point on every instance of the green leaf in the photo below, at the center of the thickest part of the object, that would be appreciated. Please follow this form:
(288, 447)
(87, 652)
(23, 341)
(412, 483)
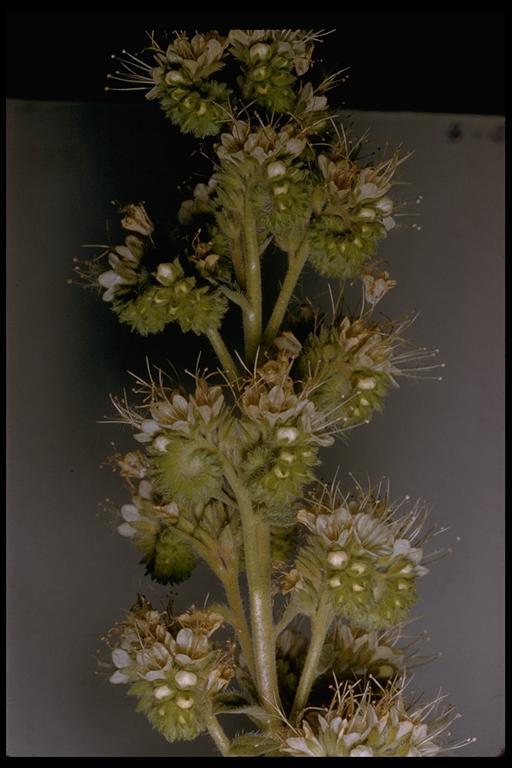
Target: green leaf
(251, 745)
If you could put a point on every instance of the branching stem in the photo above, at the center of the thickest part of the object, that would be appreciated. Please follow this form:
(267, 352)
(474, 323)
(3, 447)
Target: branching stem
(296, 263)
(319, 628)
(256, 536)
(216, 731)
(222, 352)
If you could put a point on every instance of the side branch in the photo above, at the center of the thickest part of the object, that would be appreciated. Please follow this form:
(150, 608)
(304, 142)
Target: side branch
(222, 352)
(295, 266)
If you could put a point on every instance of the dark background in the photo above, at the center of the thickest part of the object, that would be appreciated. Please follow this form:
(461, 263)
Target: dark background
(414, 61)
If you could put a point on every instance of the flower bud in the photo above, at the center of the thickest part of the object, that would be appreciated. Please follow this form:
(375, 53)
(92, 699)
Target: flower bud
(185, 702)
(337, 559)
(174, 77)
(367, 214)
(259, 52)
(166, 274)
(185, 680)
(384, 205)
(162, 692)
(276, 170)
(367, 383)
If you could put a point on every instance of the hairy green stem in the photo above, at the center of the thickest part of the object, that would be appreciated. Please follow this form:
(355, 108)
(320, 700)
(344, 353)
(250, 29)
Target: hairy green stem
(234, 598)
(295, 265)
(237, 258)
(256, 536)
(216, 731)
(252, 315)
(222, 353)
(319, 628)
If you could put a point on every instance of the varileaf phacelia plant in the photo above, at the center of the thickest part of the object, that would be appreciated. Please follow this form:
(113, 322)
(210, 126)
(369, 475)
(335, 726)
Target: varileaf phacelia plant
(318, 580)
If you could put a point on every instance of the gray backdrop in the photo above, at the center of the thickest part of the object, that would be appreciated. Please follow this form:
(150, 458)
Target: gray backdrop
(70, 576)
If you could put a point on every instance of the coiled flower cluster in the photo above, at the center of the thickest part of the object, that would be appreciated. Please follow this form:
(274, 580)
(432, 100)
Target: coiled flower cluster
(351, 652)
(190, 98)
(354, 363)
(281, 432)
(152, 528)
(364, 723)
(172, 666)
(147, 301)
(272, 59)
(363, 555)
(181, 437)
(352, 211)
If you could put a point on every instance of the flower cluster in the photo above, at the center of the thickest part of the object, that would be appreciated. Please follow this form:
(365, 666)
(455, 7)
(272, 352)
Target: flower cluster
(281, 432)
(354, 363)
(172, 666)
(354, 652)
(363, 555)
(152, 528)
(363, 723)
(182, 82)
(272, 59)
(127, 274)
(264, 163)
(352, 211)
(148, 301)
(181, 435)
(168, 535)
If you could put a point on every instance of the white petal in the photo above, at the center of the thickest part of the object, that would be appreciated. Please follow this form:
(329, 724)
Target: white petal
(109, 279)
(130, 513)
(142, 437)
(184, 638)
(185, 679)
(121, 658)
(160, 443)
(162, 692)
(180, 402)
(362, 752)
(150, 427)
(154, 674)
(404, 728)
(145, 489)
(109, 294)
(118, 677)
(401, 547)
(125, 529)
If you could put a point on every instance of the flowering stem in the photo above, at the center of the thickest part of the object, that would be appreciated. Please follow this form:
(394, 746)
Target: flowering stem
(256, 535)
(252, 315)
(216, 731)
(295, 265)
(222, 353)
(319, 628)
